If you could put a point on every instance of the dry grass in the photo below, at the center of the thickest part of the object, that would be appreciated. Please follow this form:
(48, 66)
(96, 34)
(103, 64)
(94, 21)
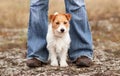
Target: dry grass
(99, 9)
(105, 21)
(15, 13)
(56, 6)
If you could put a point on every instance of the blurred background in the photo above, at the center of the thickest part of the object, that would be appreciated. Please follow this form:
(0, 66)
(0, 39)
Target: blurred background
(104, 17)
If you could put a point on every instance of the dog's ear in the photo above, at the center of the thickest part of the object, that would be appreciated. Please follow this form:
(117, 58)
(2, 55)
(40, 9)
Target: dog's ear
(68, 16)
(52, 18)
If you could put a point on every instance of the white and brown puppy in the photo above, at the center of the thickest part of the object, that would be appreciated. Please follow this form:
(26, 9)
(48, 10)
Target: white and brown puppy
(58, 39)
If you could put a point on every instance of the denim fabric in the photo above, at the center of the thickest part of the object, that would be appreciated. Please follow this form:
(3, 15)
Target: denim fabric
(37, 30)
(81, 44)
(79, 31)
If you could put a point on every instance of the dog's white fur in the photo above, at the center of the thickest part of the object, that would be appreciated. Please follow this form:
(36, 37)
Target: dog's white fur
(58, 45)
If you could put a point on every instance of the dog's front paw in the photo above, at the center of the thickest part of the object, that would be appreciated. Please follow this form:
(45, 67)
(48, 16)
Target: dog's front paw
(54, 63)
(63, 64)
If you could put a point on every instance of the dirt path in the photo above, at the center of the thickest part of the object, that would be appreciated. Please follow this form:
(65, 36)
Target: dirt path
(12, 63)
(12, 58)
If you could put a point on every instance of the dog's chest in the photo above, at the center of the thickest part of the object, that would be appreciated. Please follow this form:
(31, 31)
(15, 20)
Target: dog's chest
(59, 44)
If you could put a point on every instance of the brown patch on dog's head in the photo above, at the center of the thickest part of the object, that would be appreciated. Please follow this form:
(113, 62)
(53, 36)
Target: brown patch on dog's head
(52, 17)
(60, 22)
(68, 16)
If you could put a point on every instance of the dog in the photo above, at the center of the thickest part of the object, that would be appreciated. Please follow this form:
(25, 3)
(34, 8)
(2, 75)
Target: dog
(58, 39)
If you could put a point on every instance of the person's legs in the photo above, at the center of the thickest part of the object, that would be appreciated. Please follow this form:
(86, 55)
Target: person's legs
(81, 44)
(37, 30)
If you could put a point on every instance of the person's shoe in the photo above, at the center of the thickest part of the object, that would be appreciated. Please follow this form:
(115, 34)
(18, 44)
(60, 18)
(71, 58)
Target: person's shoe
(32, 63)
(83, 61)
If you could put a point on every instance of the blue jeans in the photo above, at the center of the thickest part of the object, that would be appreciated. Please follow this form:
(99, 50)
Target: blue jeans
(81, 44)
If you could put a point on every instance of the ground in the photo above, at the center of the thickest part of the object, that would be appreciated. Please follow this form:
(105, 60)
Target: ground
(106, 40)
(104, 18)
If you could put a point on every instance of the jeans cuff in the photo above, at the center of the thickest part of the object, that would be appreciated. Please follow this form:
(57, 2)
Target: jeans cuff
(74, 56)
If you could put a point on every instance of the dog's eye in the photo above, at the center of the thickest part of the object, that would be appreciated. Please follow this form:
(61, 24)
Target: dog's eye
(65, 22)
(57, 23)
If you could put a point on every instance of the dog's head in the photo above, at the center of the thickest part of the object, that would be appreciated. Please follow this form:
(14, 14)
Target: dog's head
(60, 23)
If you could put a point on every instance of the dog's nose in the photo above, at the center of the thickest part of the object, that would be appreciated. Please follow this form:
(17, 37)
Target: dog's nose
(62, 30)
